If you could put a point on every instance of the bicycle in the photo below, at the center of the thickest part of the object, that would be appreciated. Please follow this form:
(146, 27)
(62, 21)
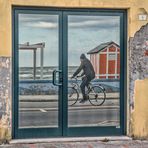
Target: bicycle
(96, 93)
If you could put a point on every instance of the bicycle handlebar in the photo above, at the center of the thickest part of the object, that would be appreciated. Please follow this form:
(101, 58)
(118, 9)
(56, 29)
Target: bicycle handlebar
(76, 77)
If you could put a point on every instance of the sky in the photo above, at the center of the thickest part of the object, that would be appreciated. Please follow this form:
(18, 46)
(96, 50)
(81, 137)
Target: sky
(84, 34)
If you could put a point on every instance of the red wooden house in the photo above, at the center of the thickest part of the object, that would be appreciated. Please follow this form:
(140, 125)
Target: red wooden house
(106, 60)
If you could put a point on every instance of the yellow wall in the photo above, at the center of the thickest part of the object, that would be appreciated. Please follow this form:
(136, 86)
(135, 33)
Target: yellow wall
(133, 7)
(140, 114)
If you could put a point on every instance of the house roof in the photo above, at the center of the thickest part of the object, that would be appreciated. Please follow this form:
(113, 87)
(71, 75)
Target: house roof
(101, 47)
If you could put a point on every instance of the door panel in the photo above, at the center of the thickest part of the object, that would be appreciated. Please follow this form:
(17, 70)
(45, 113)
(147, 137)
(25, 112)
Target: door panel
(38, 69)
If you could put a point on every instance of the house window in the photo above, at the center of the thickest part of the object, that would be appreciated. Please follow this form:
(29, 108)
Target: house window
(111, 56)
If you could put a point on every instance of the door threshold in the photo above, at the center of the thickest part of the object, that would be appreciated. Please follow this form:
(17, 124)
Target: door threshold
(70, 139)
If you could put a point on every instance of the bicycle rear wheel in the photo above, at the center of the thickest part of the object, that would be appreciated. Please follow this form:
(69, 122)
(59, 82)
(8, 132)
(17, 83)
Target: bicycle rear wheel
(97, 95)
(72, 96)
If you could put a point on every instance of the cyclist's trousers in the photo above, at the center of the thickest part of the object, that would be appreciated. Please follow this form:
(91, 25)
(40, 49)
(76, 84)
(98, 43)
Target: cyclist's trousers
(85, 82)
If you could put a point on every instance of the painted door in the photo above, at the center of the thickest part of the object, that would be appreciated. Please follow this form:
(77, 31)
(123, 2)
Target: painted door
(48, 47)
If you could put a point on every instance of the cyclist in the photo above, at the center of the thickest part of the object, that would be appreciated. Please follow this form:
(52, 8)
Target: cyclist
(88, 74)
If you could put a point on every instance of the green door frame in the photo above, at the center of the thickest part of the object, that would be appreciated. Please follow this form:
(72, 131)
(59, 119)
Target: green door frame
(63, 129)
(97, 131)
(32, 132)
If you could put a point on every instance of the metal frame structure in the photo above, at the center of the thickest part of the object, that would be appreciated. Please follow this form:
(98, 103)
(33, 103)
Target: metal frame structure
(34, 48)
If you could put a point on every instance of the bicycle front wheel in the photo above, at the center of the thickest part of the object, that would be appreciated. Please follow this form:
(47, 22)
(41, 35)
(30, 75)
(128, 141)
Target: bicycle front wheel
(97, 96)
(72, 96)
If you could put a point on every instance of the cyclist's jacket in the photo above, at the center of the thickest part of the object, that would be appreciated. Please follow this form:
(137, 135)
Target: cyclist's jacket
(87, 68)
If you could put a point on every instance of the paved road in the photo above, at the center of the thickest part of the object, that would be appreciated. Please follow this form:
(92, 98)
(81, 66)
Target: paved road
(38, 113)
(76, 118)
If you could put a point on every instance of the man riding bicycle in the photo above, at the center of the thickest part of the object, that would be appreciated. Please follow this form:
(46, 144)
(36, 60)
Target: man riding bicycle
(88, 74)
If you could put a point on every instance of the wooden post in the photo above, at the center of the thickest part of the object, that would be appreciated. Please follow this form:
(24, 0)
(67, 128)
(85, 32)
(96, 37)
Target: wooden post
(34, 64)
(41, 63)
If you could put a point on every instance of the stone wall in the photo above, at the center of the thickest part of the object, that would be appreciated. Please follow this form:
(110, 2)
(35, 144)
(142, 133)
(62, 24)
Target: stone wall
(5, 95)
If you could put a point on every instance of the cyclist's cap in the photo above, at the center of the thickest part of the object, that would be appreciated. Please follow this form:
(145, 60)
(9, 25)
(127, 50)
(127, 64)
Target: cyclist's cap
(82, 56)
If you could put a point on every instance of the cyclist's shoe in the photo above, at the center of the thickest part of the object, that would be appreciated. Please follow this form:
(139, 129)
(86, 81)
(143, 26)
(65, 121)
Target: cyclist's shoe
(84, 99)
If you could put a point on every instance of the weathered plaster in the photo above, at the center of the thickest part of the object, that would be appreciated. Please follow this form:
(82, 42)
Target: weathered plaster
(138, 83)
(139, 117)
(138, 60)
(5, 102)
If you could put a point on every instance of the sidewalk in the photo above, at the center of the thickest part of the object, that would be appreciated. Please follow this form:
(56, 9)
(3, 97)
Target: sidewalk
(78, 143)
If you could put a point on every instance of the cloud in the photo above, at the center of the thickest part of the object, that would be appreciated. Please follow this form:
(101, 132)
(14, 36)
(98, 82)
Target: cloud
(39, 21)
(42, 25)
(29, 18)
(51, 21)
(99, 23)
